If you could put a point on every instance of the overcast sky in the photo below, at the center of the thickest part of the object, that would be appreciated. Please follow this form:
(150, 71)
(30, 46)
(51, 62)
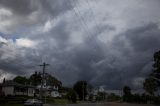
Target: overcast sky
(106, 42)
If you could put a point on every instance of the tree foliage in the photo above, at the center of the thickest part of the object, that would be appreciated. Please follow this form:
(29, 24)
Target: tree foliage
(153, 81)
(113, 97)
(127, 90)
(156, 68)
(21, 80)
(127, 94)
(35, 79)
(149, 86)
(81, 88)
(50, 80)
(72, 96)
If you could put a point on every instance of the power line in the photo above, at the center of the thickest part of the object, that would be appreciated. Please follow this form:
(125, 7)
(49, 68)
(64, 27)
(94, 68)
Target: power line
(90, 8)
(82, 20)
(78, 14)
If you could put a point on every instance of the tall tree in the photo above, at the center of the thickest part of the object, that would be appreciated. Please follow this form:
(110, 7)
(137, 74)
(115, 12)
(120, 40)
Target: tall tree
(81, 88)
(72, 96)
(51, 80)
(21, 80)
(153, 81)
(149, 86)
(127, 94)
(156, 68)
(35, 79)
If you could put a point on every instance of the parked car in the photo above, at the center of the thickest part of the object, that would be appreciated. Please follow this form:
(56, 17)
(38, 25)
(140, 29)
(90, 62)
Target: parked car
(33, 102)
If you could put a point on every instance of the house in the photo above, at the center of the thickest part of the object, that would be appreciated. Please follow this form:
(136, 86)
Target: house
(13, 89)
(51, 91)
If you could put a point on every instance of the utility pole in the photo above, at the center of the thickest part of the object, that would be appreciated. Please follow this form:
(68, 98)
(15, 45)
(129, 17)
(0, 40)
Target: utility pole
(83, 90)
(42, 82)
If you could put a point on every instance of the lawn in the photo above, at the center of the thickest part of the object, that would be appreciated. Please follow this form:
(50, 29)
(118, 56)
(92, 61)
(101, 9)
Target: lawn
(57, 101)
(54, 101)
(8, 104)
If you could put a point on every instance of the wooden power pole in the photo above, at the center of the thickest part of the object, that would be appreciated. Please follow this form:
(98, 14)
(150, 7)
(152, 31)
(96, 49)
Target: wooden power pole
(43, 76)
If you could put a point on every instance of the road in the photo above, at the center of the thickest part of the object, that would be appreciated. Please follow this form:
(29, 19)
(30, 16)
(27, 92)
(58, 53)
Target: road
(103, 104)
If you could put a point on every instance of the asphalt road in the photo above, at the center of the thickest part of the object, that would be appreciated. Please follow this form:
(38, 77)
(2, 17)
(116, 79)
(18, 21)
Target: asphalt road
(103, 104)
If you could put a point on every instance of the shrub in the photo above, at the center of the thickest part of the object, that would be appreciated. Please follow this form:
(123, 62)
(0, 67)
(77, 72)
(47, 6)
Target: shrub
(72, 96)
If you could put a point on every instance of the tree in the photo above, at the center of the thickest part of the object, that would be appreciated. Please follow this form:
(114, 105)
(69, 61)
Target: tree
(113, 97)
(35, 79)
(4, 80)
(127, 90)
(21, 80)
(81, 88)
(127, 94)
(149, 86)
(50, 80)
(153, 81)
(72, 96)
(101, 96)
(156, 69)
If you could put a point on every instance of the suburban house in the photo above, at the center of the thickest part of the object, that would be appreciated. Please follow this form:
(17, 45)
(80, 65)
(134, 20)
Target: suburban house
(48, 90)
(11, 88)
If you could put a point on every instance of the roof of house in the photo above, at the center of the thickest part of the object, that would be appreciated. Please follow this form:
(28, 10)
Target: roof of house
(12, 83)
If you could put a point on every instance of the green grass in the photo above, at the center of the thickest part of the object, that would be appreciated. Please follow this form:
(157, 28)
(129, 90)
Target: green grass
(54, 101)
(8, 104)
(57, 101)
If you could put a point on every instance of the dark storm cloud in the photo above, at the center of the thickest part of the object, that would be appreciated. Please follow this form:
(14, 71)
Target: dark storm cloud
(60, 34)
(18, 6)
(18, 64)
(74, 62)
(144, 38)
(26, 7)
(84, 57)
(143, 42)
(115, 67)
(55, 7)
(125, 59)
(24, 15)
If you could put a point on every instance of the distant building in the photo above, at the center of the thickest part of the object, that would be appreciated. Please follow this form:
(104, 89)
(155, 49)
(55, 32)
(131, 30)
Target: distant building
(12, 88)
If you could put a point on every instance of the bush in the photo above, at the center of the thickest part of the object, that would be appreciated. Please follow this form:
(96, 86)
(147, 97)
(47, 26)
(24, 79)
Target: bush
(72, 96)
(156, 100)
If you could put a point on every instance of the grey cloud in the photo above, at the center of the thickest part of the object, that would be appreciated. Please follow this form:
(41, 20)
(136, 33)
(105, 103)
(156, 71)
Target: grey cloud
(144, 38)
(28, 14)
(18, 6)
(19, 64)
(115, 64)
(56, 7)
(143, 42)
(119, 65)
(26, 7)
